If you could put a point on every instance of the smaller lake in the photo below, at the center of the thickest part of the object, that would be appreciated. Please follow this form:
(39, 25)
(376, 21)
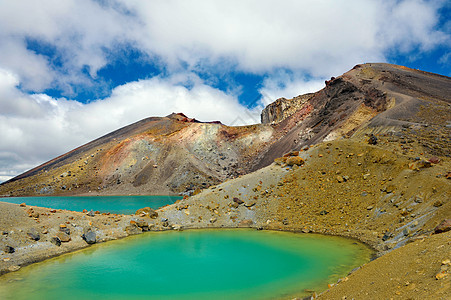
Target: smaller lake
(193, 264)
(112, 204)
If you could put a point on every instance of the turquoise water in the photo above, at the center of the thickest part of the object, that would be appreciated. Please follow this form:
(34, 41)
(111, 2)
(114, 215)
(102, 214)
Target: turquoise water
(193, 264)
(112, 204)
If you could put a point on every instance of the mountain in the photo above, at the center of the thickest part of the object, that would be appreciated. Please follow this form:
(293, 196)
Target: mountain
(176, 154)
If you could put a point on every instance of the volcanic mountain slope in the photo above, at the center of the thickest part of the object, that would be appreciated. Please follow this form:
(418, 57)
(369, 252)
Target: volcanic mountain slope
(175, 154)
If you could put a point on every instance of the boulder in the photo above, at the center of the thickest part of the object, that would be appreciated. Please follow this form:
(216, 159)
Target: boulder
(294, 160)
(65, 229)
(132, 229)
(147, 211)
(444, 226)
(89, 237)
(141, 223)
(64, 237)
(34, 234)
(56, 241)
(246, 223)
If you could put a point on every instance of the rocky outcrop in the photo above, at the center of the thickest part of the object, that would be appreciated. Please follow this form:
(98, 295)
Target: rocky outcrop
(282, 108)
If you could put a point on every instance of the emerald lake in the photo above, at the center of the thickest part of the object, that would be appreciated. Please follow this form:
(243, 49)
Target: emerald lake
(192, 264)
(112, 204)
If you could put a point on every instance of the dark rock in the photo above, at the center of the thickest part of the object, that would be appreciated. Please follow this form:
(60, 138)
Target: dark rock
(148, 211)
(56, 241)
(89, 237)
(372, 140)
(91, 213)
(434, 160)
(285, 221)
(9, 249)
(444, 226)
(323, 212)
(237, 200)
(165, 224)
(424, 164)
(64, 237)
(250, 203)
(34, 234)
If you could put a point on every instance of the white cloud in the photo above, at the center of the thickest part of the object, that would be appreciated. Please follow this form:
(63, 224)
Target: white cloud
(323, 38)
(287, 85)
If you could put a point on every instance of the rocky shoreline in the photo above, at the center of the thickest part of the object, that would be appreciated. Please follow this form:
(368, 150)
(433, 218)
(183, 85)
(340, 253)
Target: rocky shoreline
(346, 188)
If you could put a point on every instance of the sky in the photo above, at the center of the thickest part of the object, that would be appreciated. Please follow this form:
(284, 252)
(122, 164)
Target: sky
(74, 70)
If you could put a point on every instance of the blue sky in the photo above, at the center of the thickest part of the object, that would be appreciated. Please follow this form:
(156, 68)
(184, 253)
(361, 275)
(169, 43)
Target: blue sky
(71, 71)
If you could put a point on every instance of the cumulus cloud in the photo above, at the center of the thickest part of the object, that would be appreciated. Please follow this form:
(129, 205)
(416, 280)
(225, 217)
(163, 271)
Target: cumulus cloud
(322, 38)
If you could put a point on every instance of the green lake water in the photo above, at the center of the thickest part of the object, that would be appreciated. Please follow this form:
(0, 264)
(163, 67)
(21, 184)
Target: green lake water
(112, 204)
(193, 264)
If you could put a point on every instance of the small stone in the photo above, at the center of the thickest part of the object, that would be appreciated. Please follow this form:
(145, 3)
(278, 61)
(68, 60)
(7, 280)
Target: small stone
(89, 237)
(142, 223)
(437, 203)
(165, 224)
(386, 236)
(177, 227)
(9, 249)
(45, 231)
(55, 240)
(234, 205)
(132, 229)
(35, 214)
(212, 220)
(34, 235)
(91, 213)
(246, 223)
(64, 237)
(250, 203)
(22, 205)
(370, 207)
(65, 229)
(148, 211)
(372, 140)
(13, 268)
(441, 275)
(85, 211)
(444, 226)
